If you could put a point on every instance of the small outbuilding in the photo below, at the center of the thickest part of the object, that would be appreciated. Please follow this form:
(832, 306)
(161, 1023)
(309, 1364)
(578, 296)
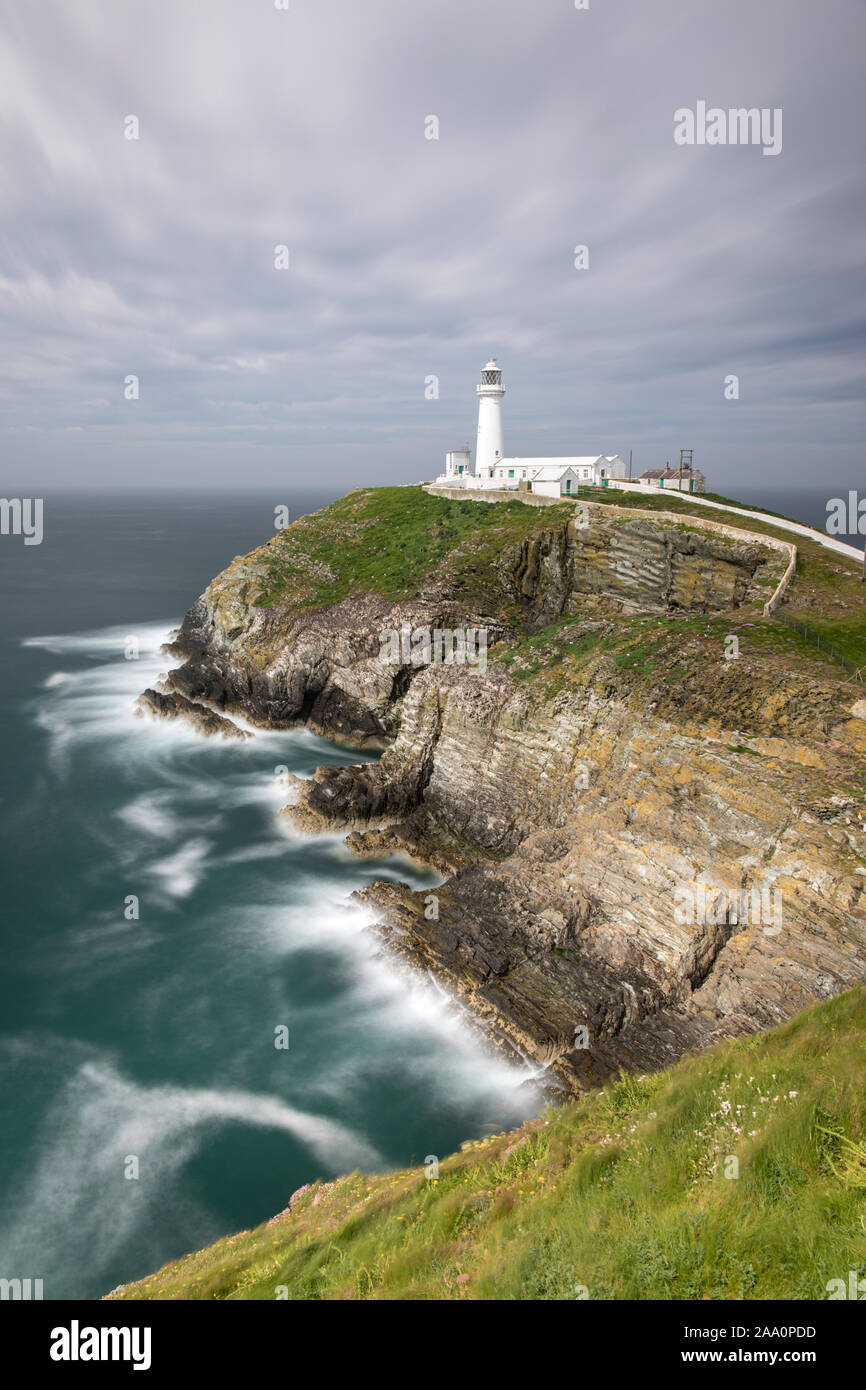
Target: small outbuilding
(687, 480)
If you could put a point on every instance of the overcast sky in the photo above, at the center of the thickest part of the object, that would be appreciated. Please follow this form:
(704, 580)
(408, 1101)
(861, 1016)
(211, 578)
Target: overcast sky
(412, 257)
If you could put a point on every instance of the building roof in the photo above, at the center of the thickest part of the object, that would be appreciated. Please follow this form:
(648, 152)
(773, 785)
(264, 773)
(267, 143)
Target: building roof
(548, 469)
(668, 472)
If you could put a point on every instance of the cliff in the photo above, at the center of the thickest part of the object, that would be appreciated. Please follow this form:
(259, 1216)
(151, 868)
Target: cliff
(604, 793)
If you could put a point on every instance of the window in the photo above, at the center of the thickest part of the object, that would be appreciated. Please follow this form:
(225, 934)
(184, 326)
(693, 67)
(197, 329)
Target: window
(511, 472)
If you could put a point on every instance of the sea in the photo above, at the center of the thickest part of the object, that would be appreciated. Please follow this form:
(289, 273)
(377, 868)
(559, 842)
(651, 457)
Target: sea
(195, 1017)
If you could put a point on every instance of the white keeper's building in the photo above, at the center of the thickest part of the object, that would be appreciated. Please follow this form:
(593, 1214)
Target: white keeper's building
(552, 477)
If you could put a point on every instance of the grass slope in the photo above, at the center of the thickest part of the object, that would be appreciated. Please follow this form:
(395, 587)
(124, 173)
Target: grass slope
(392, 541)
(622, 1195)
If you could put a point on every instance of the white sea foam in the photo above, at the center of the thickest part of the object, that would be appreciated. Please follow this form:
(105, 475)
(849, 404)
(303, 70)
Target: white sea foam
(97, 702)
(178, 874)
(270, 849)
(151, 813)
(77, 1202)
(387, 1002)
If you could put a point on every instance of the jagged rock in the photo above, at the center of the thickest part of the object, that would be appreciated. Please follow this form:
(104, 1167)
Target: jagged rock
(176, 706)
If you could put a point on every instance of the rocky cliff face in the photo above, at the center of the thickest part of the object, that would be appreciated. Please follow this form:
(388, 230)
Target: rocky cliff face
(279, 666)
(601, 859)
(599, 811)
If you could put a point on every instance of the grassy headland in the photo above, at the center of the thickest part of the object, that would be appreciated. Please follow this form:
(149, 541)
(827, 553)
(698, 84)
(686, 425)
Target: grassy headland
(397, 542)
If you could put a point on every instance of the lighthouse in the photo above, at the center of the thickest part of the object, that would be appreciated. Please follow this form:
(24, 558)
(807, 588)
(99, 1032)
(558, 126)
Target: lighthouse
(489, 446)
(493, 473)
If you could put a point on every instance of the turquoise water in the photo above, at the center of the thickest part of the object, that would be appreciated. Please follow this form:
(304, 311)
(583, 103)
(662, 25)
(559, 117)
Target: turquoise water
(148, 1045)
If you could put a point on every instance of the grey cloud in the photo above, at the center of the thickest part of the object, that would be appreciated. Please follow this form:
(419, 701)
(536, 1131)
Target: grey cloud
(411, 257)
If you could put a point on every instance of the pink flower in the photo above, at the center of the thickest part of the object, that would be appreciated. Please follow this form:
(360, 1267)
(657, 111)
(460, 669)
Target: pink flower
(462, 1278)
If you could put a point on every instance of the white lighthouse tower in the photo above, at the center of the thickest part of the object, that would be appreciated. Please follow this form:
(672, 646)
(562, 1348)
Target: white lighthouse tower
(489, 447)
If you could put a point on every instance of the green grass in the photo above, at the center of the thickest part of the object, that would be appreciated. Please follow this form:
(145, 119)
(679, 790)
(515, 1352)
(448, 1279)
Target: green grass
(391, 541)
(623, 1194)
(657, 650)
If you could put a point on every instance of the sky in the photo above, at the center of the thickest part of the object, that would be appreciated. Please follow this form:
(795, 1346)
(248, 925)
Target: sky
(411, 260)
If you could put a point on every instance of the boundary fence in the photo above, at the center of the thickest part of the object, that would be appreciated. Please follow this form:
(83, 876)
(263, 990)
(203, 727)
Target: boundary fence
(820, 642)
